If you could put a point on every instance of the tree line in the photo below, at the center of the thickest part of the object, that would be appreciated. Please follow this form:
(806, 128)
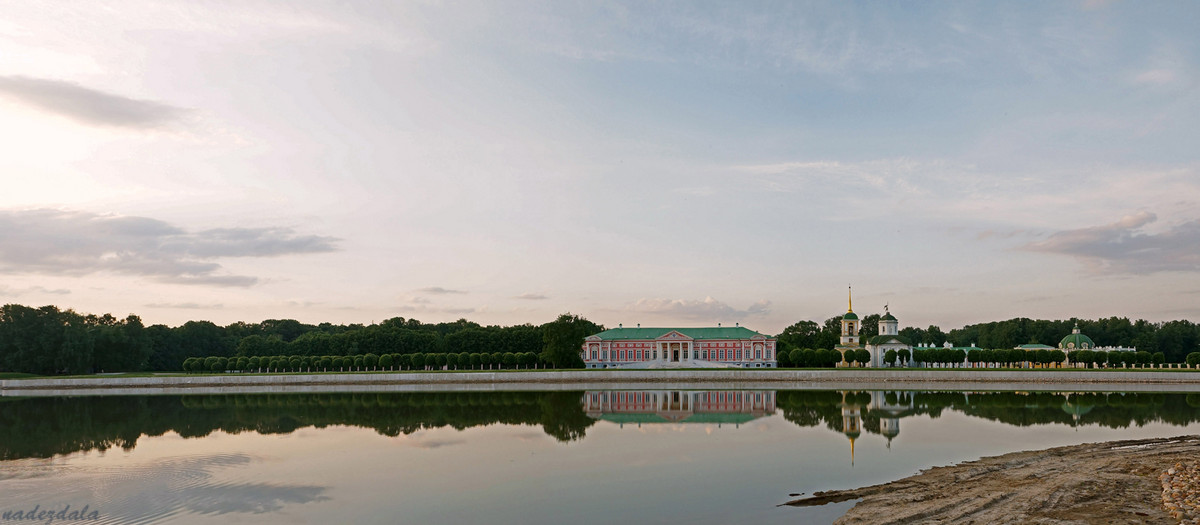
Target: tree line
(366, 362)
(52, 341)
(49, 341)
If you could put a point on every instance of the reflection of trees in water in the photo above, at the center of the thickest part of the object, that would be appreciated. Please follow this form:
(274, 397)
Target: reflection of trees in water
(1112, 410)
(43, 427)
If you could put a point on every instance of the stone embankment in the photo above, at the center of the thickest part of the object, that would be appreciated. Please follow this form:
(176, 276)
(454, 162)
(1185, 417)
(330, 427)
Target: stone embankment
(839, 379)
(1141, 481)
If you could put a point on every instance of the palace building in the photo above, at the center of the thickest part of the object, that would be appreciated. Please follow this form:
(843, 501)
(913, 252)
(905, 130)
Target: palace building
(718, 347)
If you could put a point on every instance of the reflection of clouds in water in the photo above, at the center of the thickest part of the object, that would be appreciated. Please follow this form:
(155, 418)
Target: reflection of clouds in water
(250, 497)
(434, 443)
(531, 436)
(155, 491)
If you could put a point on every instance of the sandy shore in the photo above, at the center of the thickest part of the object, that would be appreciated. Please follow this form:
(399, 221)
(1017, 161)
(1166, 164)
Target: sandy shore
(1114, 482)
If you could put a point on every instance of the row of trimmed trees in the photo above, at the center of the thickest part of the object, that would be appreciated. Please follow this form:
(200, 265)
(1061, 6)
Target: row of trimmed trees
(975, 357)
(978, 357)
(365, 362)
(820, 358)
(1140, 359)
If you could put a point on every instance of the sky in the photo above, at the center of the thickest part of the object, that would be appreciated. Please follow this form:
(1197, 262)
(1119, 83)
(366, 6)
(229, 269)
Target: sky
(654, 163)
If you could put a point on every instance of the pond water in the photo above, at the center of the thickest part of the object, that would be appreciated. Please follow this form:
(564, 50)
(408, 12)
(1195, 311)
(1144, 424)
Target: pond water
(644, 456)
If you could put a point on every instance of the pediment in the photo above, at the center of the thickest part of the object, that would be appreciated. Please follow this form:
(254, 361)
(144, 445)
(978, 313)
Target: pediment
(673, 335)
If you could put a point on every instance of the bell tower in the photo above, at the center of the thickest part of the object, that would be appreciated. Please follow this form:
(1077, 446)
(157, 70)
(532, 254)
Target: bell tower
(850, 323)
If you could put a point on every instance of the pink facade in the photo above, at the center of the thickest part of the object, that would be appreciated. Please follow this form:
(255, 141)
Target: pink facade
(754, 351)
(680, 406)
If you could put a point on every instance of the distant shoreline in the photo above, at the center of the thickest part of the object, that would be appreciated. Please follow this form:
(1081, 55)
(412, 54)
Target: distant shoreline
(860, 379)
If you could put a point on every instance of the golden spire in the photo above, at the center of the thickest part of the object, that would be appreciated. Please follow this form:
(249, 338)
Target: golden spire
(849, 299)
(851, 452)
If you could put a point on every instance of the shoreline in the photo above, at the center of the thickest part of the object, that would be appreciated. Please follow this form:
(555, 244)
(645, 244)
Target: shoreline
(1183, 381)
(1113, 482)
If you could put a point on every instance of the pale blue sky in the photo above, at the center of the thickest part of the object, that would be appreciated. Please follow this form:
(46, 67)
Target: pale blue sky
(657, 163)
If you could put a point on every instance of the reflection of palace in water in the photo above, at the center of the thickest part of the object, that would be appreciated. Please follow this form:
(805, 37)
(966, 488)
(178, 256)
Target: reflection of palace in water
(679, 406)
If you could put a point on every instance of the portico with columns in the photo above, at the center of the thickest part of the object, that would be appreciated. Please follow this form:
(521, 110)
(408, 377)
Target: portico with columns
(735, 346)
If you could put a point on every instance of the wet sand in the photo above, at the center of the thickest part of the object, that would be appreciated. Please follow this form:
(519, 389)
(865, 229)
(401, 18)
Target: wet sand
(1113, 482)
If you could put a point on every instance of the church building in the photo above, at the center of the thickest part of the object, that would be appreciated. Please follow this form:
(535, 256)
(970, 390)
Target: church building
(850, 330)
(888, 339)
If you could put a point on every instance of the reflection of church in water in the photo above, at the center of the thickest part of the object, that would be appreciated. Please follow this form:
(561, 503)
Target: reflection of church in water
(882, 408)
(679, 406)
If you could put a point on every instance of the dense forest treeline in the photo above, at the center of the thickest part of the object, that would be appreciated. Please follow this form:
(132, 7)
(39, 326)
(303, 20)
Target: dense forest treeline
(48, 340)
(45, 427)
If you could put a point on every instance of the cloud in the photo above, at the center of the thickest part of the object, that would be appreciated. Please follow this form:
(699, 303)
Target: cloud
(708, 309)
(438, 290)
(408, 309)
(63, 242)
(88, 106)
(186, 306)
(1155, 76)
(892, 179)
(531, 297)
(1123, 247)
(17, 292)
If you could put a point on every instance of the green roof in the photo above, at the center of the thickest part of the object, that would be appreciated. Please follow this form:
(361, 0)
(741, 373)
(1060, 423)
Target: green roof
(850, 315)
(1035, 347)
(736, 418)
(887, 317)
(1076, 342)
(717, 332)
(634, 418)
(880, 339)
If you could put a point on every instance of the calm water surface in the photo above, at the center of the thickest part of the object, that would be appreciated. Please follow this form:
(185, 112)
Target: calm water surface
(647, 456)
